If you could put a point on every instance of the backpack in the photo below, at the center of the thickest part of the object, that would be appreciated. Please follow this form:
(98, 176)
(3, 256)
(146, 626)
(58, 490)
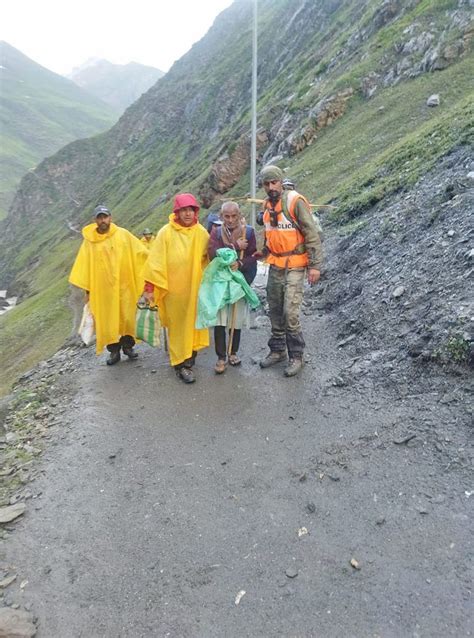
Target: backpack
(289, 205)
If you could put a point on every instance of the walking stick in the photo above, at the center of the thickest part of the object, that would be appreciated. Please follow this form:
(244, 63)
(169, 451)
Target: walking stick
(253, 200)
(234, 306)
(165, 339)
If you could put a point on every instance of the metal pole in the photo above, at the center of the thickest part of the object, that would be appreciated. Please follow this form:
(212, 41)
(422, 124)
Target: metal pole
(253, 149)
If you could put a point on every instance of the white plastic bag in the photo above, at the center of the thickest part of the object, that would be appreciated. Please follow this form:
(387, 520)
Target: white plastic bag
(86, 328)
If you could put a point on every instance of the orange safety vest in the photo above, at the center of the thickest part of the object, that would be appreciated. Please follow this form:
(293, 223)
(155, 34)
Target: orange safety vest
(285, 242)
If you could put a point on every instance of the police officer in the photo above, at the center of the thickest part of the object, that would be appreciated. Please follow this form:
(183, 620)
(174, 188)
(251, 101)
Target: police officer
(293, 250)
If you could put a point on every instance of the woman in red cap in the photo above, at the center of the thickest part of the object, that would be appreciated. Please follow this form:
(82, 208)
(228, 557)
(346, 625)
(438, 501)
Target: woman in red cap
(172, 276)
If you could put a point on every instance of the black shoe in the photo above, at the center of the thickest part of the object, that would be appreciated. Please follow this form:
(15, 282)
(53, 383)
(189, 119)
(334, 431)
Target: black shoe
(186, 375)
(114, 358)
(130, 353)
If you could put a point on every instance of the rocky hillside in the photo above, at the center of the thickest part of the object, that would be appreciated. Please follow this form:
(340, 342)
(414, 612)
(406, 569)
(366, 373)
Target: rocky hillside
(343, 107)
(118, 85)
(40, 112)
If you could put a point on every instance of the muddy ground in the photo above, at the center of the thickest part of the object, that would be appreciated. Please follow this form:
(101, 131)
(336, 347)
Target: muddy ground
(157, 504)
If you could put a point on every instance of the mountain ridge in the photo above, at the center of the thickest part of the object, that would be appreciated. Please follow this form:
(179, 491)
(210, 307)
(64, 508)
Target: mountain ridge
(40, 112)
(118, 85)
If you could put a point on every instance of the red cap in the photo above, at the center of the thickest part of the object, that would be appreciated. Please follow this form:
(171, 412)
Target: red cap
(183, 200)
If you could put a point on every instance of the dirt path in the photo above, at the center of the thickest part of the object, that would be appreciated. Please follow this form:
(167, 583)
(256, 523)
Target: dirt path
(159, 504)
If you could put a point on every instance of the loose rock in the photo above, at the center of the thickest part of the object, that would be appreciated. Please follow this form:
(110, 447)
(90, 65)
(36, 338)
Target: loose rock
(433, 100)
(11, 512)
(239, 596)
(398, 292)
(8, 580)
(15, 623)
(404, 439)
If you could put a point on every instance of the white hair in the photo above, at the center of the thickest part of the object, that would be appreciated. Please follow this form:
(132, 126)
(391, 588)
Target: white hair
(227, 205)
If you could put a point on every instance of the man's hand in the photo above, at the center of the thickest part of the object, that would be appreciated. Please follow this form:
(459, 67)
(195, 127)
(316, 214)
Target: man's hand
(86, 297)
(234, 265)
(242, 244)
(313, 276)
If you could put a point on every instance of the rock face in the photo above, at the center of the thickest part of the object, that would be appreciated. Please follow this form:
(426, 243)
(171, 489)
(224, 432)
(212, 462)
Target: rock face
(401, 290)
(323, 114)
(228, 169)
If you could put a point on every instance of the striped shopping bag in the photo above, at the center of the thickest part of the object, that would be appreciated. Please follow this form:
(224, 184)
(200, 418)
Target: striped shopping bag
(148, 325)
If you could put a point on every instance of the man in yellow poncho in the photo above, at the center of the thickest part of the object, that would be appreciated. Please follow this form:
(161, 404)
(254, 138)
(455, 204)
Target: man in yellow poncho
(108, 267)
(147, 238)
(172, 276)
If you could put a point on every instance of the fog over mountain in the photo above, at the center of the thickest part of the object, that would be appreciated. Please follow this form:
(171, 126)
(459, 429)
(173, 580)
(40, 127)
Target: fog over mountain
(118, 85)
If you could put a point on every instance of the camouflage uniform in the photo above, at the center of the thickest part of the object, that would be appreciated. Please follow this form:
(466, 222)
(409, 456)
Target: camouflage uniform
(285, 288)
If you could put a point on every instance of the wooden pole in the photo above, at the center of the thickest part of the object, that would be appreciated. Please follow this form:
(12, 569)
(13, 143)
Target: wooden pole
(234, 306)
(253, 200)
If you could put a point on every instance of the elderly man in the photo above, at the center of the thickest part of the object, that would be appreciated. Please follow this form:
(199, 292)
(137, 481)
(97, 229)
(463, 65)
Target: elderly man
(293, 250)
(172, 276)
(108, 267)
(233, 233)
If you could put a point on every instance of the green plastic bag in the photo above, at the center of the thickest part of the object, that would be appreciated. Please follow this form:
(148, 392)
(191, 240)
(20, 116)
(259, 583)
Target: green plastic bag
(148, 324)
(221, 286)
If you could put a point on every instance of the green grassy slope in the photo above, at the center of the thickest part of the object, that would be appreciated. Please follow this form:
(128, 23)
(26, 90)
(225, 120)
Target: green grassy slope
(388, 142)
(40, 112)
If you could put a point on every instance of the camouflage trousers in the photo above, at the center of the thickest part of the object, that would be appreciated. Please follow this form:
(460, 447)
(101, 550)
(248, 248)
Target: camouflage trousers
(284, 297)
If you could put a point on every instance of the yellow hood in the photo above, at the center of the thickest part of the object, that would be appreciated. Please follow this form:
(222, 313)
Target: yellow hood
(90, 233)
(174, 266)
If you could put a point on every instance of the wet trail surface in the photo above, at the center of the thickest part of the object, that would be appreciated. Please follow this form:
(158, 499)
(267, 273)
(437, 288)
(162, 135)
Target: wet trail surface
(161, 503)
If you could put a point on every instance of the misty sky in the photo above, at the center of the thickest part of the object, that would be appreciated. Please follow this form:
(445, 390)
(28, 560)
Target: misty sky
(61, 34)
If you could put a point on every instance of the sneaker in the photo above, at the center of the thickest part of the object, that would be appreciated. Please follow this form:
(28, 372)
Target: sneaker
(130, 353)
(293, 367)
(234, 360)
(186, 375)
(273, 358)
(114, 358)
(220, 366)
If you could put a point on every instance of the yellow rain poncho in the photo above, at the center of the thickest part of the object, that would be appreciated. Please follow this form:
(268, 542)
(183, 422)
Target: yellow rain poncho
(175, 263)
(147, 242)
(110, 267)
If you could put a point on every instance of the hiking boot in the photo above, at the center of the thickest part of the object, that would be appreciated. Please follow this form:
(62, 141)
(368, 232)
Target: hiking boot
(293, 367)
(272, 358)
(186, 375)
(130, 352)
(114, 358)
(220, 366)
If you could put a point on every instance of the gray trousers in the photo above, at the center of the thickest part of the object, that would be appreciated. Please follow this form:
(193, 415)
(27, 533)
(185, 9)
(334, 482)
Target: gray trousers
(284, 296)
